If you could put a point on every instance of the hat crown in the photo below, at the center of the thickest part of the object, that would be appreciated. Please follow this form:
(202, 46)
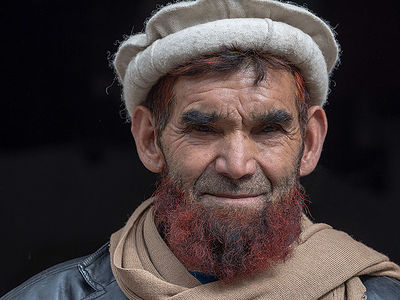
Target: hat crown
(175, 17)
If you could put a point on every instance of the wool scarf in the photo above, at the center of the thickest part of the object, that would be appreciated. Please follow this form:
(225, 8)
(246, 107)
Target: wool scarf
(325, 264)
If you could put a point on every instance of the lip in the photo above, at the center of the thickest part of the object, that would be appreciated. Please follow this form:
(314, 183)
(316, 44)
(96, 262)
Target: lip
(233, 199)
(234, 196)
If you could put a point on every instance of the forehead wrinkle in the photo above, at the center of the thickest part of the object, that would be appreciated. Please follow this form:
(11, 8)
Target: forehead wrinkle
(204, 84)
(213, 94)
(223, 91)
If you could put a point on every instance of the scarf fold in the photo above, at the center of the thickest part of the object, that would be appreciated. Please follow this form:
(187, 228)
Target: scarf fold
(324, 265)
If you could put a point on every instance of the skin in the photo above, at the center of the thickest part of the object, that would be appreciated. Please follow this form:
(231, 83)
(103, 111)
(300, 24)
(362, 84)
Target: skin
(222, 126)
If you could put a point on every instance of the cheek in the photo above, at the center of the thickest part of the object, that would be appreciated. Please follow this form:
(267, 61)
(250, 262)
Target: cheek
(279, 162)
(187, 162)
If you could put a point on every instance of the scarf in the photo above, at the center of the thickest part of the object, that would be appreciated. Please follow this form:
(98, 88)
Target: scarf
(325, 264)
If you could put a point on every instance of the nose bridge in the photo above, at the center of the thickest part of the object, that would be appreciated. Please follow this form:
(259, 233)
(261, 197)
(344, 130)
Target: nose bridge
(236, 157)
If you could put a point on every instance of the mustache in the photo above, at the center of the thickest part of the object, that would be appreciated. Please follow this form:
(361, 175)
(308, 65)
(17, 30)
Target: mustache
(211, 182)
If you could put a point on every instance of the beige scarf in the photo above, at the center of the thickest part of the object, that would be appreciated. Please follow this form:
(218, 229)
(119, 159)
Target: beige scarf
(325, 265)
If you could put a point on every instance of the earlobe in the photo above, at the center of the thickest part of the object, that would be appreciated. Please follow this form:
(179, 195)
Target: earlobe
(315, 133)
(144, 133)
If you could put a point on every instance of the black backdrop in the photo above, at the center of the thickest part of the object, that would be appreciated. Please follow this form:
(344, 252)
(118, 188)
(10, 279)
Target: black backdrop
(69, 173)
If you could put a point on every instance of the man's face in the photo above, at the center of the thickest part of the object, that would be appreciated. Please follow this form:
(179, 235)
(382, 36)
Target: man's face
(230, 143)
(229, 202)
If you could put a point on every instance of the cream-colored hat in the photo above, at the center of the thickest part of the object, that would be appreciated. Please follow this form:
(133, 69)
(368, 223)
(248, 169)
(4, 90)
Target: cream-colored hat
(182, 31)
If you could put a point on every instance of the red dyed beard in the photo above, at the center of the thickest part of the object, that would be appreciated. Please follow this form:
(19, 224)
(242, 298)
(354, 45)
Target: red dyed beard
(227, 243)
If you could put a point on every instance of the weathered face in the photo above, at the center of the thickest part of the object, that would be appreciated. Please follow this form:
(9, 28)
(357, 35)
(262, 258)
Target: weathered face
(230, 143)
(231, 153)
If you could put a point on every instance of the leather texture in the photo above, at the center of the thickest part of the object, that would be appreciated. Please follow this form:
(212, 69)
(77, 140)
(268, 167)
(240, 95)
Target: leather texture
(87, 277)
(90, 277)
(381, 288)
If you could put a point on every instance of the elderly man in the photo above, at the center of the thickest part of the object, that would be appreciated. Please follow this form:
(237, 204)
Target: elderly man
(226, 102)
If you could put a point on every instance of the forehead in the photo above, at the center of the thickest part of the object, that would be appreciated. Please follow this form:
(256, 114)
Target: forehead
(235, 94)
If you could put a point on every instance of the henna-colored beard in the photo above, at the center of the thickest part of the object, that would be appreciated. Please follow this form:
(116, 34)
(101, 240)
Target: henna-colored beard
(227, 242)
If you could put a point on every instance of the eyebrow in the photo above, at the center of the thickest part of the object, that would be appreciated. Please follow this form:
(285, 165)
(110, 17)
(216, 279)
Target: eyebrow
(279, 116)
(199, 118)
(196, 117)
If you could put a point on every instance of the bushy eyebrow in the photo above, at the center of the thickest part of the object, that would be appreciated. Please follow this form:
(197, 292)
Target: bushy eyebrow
(279, 116)
(199, 118)
(196, 117)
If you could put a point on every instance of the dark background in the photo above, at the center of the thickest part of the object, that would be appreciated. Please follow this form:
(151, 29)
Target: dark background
(69, 172)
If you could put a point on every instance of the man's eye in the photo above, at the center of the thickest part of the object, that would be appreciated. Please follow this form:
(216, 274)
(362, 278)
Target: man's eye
(271, 128)
(198, 128)
(203, 128)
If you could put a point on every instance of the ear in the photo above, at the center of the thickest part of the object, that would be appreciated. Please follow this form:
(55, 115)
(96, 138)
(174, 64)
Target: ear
(144, 133)
(315, 133)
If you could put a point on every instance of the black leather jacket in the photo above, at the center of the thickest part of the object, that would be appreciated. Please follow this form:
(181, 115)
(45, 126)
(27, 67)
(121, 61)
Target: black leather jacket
(86, 278)
(90, 277)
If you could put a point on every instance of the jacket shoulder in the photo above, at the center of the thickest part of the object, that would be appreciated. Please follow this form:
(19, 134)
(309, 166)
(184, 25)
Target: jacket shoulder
(87, 277)
(381, 288)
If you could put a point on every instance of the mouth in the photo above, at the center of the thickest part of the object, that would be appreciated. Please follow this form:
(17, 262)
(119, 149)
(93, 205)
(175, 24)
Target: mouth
(253, 200)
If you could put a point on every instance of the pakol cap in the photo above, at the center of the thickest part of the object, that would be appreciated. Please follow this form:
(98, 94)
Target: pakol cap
(185, 30)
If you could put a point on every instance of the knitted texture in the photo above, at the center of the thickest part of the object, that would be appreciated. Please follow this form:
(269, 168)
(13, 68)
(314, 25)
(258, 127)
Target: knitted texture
(325, 265)
(182, 31)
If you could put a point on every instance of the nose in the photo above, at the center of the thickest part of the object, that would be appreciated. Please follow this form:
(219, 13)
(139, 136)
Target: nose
(236, 157)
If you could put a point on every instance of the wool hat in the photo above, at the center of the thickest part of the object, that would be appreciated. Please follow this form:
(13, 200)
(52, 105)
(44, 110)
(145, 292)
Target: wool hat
(179, 32)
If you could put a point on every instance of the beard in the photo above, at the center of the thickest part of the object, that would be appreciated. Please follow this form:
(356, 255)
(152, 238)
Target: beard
(229, 241)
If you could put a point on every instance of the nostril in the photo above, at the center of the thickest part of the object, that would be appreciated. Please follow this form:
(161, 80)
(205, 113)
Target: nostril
(235, 168)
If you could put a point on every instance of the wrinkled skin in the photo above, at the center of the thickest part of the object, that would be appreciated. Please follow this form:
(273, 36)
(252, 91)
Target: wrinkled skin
(238, 160)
